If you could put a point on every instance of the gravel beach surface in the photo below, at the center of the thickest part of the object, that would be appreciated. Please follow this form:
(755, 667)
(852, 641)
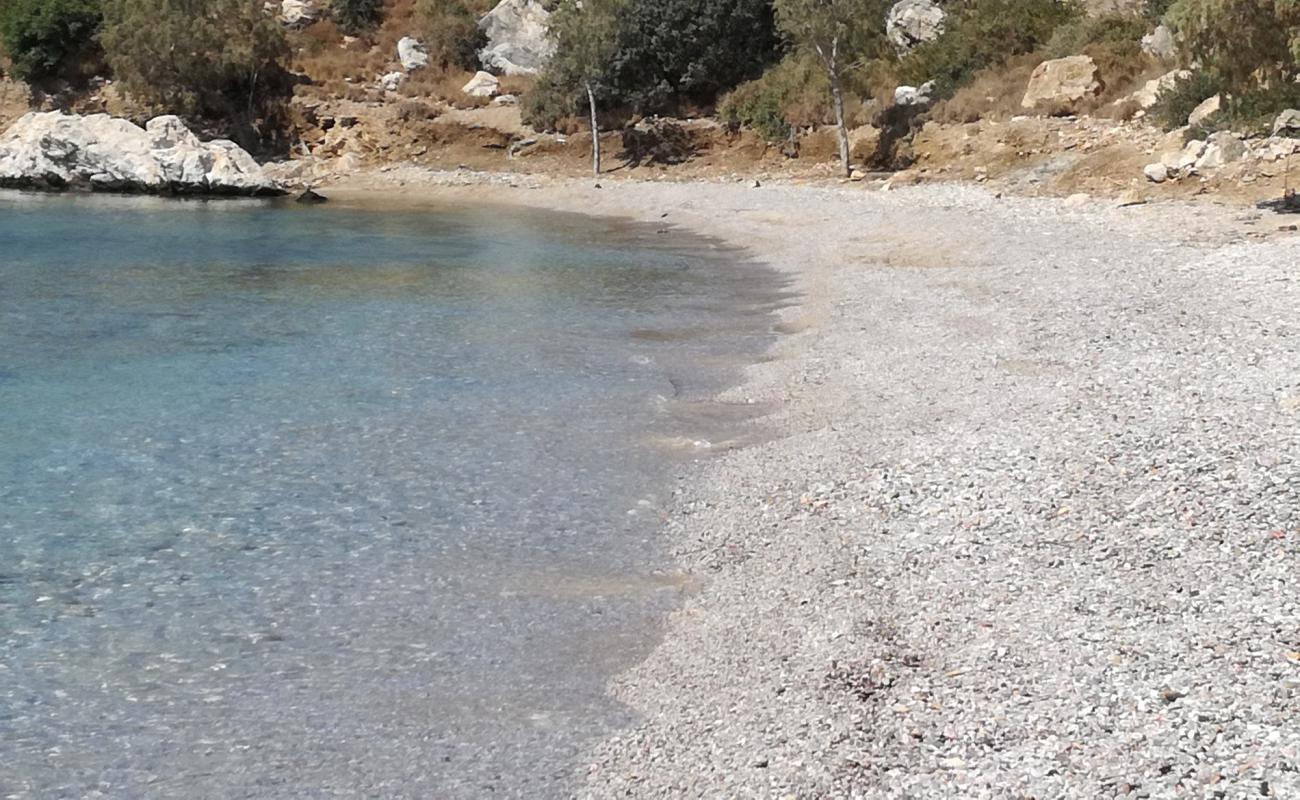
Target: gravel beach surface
(1025, 521)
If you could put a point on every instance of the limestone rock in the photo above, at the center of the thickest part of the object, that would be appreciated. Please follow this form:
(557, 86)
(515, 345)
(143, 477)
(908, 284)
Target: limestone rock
(391, 81)
(1059, 86)
(53, 150)
(298, 13)
(1156, 173)
(1222, 149)
(483, 84)
(1150, 92)
(412, 54)
(1160, 43)
(517, 40)
(914, 95)
(1287, 123)
(914, 22)
(1204, 111)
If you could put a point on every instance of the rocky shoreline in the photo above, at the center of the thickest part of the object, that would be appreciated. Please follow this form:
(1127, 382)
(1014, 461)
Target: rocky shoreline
(52, 151)
(1027, 522)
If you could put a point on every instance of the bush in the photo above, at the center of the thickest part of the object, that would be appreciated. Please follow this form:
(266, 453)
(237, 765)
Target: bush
(216, 60)
(1176, 103)
(982, 33)
(793, 94)
(355, 16)
(1246, 44)
(657, 142)
(42, 36)
(1119, 33)
(672, 50)
(449, 30)
(547, 103)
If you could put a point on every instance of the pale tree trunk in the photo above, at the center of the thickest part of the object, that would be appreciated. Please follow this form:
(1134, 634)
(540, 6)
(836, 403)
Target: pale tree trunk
(595, 134)
(831, 61)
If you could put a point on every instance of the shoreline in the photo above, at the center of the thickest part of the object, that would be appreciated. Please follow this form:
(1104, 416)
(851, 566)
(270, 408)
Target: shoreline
(1032, 457)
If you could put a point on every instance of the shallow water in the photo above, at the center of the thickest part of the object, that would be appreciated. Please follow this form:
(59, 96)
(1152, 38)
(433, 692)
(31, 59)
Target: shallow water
(339, 501)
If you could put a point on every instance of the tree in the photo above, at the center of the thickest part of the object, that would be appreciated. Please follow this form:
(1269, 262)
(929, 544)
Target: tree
(210, 59)
(670, 50)
(42, 36)
(583, 31)
(839, 33)
(355, 16)
(1262, 48)
(449, 30)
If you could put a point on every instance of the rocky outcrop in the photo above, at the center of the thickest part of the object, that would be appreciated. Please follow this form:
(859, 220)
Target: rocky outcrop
(412, 54)
(1160, 44)
(1287, 123)
(913, 22)
(914, 95)
(1150, 92)
(298, 13)
(53, 150)
(1061, 85)
(517, 41)
(483, 84)
(1205, 110)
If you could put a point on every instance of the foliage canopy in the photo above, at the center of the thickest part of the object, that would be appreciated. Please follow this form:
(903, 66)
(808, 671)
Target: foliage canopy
(41, 36)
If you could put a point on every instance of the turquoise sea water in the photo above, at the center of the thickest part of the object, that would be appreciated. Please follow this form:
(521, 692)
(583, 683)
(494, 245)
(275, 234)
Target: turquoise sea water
(338, 501)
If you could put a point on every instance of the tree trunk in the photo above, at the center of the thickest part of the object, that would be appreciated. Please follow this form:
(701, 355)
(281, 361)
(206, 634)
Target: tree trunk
(837, 98)
(595, 134)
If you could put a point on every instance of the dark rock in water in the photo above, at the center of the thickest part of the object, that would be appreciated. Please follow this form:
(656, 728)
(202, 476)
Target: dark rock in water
(311, 197)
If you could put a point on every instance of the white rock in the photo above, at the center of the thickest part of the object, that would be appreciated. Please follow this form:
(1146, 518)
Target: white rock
(412, 54)
(56, 150)
(505, 100)
(298, 12)
(1156, 173)
(1160, 43)
(914, 95)
(1208, 108)
(517, 39)
(1287, 123)
(391, 81)
(1151, 90)
(483, 84)
(1060, 85)
(913, 22)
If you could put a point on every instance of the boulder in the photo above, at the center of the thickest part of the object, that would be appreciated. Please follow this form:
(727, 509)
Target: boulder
(391, 81)
(1287, 123)
(1160, 44)
(517, 40)
(1204, 111)
(505, 100)
(1151, 90)
(914, 95)
(913, 22)
(1156, 173)
(1059, 86)
(412, 54)
(1231, 148)
(483, 84)
(52, 150)
(298, 13)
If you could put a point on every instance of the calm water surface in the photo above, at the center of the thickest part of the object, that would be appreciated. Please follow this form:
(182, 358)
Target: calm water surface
(338, 502)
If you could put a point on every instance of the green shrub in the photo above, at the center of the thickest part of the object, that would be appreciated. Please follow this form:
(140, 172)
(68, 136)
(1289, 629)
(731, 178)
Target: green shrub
(546, 103)
(218, 60)
(1245, 43)
(41, 36)
(671, 50)
(794, 93)
(449, 30)
(1174, 104)
(355, 16)
(1255, 110)
(1120, 33)
(1155, 10)
(982, 33)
